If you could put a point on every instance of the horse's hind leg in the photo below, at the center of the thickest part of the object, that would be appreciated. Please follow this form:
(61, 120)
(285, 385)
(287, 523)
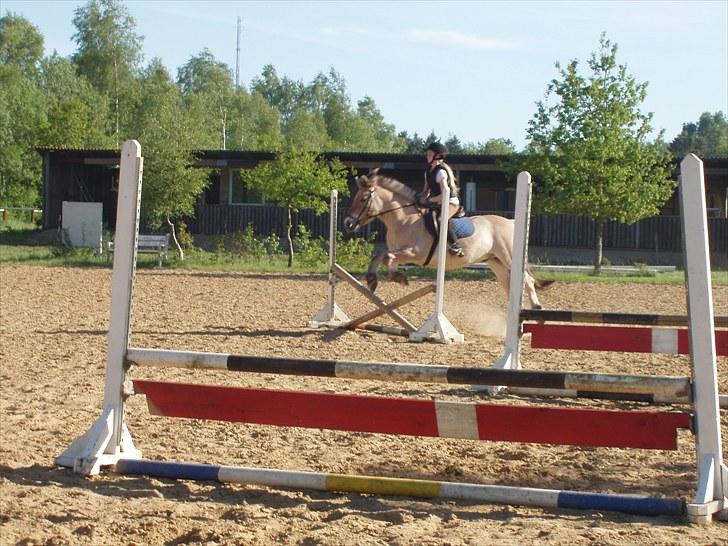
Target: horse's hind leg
(531, 289)
(503, 275)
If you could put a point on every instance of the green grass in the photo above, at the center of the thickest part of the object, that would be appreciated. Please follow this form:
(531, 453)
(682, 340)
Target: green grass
(14, 249)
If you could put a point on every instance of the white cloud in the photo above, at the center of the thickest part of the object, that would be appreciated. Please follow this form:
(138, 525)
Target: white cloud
(450, 37)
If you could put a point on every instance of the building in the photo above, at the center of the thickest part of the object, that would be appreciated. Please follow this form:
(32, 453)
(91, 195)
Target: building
(228, 205)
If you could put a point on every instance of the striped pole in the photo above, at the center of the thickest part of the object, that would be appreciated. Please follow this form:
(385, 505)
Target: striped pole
(375, 485)
(426, 373)
(416, 417)
(616, 338)
(635, 319)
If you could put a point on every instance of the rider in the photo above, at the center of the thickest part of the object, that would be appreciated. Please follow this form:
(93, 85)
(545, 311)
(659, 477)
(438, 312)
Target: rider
(438, 174)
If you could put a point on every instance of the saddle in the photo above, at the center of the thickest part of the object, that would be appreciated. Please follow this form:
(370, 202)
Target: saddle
(461, 224)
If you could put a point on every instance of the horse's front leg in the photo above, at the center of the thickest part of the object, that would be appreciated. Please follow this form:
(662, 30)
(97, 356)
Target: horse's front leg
(390, 261)
(371, 276)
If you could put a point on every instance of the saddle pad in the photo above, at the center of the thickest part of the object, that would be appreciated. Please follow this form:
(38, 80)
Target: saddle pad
(463, 227)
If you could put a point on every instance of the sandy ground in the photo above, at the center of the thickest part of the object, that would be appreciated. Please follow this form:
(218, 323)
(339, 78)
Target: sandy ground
(52, 354)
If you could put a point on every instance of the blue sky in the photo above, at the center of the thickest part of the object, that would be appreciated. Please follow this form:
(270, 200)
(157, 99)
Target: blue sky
(474, 69)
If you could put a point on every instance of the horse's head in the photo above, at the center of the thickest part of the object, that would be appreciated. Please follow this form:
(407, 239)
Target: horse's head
(365, 205)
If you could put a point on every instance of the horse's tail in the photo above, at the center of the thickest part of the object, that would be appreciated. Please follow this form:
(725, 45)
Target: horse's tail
(542, 285)
(538, 284)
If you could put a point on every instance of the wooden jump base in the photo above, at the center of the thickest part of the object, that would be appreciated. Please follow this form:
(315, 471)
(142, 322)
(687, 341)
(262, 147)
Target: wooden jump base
(437, 328)
(616, 338)
(655, 385)
(108, 442)
(635, 319)
(429, 489)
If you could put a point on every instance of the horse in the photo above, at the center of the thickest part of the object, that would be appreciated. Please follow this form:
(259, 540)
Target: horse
(409, 241)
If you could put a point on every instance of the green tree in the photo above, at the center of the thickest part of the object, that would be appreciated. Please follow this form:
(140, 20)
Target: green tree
(255, 125)
(207, 86)
(306, 131)
(77, 113)
(297, 180)
(22, 112)
(495, 146)
(109, 55)
(282, 94)
(171, 184)
(588, 149)
(708, 137)
(21, 43)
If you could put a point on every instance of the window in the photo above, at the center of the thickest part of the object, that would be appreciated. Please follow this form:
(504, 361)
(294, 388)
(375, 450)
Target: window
(470, 200)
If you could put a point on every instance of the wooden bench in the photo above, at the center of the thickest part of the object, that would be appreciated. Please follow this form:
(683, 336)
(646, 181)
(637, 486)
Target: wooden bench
(147, 244)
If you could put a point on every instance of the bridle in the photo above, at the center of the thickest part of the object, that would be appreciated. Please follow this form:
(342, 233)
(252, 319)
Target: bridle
(368, 200)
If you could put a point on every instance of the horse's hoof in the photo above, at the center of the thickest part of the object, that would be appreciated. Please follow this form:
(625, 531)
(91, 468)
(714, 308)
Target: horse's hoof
(401, 278)
(371, 281)
(537, 307)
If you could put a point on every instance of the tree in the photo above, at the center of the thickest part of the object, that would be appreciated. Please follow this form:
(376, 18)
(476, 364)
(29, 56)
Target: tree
(21, 43)
(254, 125)
(207, 84)
(588, 149)
(306, 131)
(496, 146)
(707, 137)
(22, 112)
(77, 113)
(109, 54)
(171, 184)
(297, 180)
(283, 94)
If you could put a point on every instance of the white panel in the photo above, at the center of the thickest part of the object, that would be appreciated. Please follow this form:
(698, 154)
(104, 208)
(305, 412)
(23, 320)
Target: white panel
(456, 420)
(664, 340)
(81, 224)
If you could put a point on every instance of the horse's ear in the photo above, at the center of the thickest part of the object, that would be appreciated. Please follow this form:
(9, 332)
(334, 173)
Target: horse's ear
(374, 172)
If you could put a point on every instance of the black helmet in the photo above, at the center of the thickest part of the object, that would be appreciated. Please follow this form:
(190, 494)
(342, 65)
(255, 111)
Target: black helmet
(437, 147)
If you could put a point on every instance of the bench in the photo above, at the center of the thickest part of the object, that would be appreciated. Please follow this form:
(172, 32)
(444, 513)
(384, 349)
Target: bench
(147, 244)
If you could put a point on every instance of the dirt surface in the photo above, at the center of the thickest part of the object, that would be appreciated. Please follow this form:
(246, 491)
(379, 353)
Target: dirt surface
(53, 339)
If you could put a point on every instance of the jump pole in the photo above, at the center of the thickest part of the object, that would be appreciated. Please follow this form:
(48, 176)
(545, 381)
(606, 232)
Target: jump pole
(429, 489)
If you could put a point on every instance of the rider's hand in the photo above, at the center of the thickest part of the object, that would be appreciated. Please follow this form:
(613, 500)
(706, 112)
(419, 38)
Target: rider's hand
(422, 200)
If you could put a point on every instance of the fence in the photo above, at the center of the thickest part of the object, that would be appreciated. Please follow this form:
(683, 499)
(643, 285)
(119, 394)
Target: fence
(34, 212)
(655, 234)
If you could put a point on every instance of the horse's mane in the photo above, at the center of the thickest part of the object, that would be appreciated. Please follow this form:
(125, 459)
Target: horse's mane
(395, 186)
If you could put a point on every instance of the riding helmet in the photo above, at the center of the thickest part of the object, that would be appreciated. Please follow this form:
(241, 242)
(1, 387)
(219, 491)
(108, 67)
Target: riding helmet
(437, 147)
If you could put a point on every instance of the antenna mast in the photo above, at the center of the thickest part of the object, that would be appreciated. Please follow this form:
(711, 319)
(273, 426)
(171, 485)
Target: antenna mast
(237, 55)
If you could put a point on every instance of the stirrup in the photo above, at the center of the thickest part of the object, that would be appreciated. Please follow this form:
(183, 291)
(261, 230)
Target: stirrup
(455, 250)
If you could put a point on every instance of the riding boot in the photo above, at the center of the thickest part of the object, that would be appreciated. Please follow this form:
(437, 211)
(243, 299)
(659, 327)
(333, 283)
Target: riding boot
(452, 243)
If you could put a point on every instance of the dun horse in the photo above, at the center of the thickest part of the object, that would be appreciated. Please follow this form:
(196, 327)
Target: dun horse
(487, 238)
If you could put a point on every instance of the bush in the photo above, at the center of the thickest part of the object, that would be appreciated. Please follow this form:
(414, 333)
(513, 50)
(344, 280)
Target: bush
(307, 251)
(247, 244)
(354, 253)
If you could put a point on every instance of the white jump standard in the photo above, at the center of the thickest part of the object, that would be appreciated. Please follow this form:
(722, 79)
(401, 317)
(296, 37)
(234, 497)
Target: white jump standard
(711, 498)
